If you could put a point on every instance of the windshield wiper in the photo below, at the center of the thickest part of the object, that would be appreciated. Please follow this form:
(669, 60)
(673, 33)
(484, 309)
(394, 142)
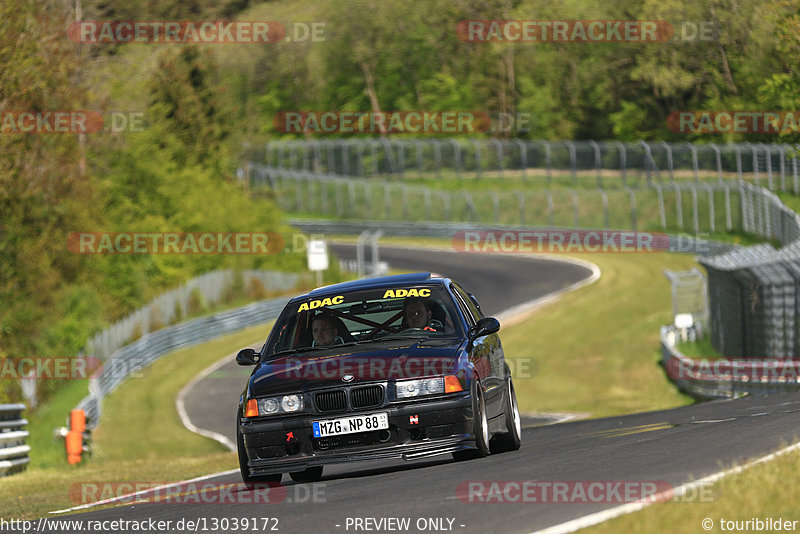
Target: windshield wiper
(299, 349)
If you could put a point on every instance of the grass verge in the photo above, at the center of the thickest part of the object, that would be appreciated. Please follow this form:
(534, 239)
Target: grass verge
(140, 437)
(758, 492)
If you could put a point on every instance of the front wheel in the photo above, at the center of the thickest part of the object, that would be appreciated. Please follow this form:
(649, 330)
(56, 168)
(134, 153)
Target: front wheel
(480, 426)
(511, 439)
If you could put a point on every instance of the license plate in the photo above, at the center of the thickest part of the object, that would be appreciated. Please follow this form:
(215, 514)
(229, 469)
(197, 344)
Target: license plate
(349, 425)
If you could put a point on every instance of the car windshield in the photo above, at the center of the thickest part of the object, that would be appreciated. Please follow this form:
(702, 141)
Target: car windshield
(366, 316)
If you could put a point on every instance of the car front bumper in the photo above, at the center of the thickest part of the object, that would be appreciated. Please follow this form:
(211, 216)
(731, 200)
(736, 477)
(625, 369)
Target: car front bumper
(417, 429)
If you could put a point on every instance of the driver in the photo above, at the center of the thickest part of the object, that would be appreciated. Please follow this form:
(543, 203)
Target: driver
(417, 313)
(324, 331)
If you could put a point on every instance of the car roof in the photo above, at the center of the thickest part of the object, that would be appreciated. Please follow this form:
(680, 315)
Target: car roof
(370, 283)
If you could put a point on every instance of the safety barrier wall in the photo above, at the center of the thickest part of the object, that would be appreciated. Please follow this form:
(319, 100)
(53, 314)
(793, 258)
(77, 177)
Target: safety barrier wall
(13, 449)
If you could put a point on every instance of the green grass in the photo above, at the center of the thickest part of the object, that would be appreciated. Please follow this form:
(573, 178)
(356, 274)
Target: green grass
(140, 437)
(762, 491)
(700, 350)
(596, 350)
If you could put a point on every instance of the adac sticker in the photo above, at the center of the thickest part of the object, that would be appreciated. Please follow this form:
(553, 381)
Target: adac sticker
(413, 292)
(327, 301)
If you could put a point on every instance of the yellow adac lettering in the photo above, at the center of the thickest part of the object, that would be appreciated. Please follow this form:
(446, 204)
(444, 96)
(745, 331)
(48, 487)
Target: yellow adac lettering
(389, 293)
(327, 301)
(400, 292)
(424, 292)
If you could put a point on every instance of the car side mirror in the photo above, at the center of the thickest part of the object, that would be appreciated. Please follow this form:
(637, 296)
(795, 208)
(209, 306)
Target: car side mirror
(247, 357)
(484, 327)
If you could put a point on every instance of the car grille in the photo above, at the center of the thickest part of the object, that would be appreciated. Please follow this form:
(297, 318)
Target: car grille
(331, 401)
(361, 397)
(366, 397)
(361, 439)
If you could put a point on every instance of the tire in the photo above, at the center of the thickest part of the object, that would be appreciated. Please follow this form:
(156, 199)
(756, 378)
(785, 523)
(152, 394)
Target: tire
(480, 427)
(510, 440)
(312, 474)
(250, 481)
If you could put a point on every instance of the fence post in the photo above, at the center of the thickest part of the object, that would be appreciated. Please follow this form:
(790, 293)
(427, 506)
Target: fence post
(695, 165)
(470, 208)
(547, 162)
(633, 206)
(718, 155)
(551, 217)
(598, 165)
(728, 215)
(521, 205)
(662, 212)
(523, 159)
(572, 162)
(604, 198)
(499, 149)
(623, 163)
(495, 207)
(668, 149)
(456, 157)
(768, 161)
(478, 156)
(575, 208)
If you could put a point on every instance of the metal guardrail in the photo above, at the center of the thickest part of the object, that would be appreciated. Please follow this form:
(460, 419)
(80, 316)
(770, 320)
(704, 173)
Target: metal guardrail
(714, 379)
(602, 164)
(13, 450)
(173, 304)
(136, 356)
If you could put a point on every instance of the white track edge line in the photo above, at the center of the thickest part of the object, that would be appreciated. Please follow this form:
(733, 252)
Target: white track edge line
(130, 496)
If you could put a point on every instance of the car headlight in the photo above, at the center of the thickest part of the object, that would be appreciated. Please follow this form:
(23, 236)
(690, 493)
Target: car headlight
(419, 387)
(274, 405)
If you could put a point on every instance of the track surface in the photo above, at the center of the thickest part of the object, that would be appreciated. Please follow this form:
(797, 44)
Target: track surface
(665, 447)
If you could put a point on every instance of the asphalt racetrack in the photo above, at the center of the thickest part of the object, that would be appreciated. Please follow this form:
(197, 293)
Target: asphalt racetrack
(562, 473)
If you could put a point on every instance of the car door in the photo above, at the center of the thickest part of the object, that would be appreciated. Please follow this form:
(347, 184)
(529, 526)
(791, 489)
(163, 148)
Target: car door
(486, 352)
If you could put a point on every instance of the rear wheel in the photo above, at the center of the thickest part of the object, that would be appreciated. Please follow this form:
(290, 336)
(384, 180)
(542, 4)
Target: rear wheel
(510, 440)
(312, 474)
(480, 426)
(250, 481)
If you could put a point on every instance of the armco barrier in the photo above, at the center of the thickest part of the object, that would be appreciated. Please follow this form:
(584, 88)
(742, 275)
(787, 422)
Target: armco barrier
(714, 379)
(136, 356)
(13, 450)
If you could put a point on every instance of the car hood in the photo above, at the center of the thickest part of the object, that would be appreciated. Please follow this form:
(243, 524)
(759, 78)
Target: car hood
(391, 360)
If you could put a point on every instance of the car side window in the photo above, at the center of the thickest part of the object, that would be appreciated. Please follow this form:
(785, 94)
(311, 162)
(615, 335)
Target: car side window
(467, 308)
(469, 302)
